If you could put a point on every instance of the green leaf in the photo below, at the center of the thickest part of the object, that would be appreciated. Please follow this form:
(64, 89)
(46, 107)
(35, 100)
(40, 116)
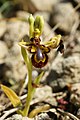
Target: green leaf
(15, 100)
(37, 81)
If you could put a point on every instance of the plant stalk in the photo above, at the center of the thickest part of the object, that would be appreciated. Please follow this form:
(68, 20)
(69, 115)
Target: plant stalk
(29, 95)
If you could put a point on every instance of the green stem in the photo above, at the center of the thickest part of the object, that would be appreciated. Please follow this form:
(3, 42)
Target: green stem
(29, 95)
(29, 68)
(31, 89)
(27, 105)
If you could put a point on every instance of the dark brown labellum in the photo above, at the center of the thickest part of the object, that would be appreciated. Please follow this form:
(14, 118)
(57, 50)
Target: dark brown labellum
(39, 55)
(41, 63)
(39, 51)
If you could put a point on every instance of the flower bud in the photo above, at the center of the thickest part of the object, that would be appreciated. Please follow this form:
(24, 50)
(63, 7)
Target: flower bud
(39, 23)
(31, 26)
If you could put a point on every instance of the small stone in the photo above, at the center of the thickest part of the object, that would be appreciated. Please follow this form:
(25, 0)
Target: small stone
(46, 15)
(16, 67)
(42, 116)
(15, 117)
(45, 93)
(64, 71)
(18, 117)
(75, 96)
(3, 51)
(34, 74)
(47, 33)
(3, 27)
(26, 118)
(23, 15)
(78, 113)
(42, 92)
(16, 30)
(64, 13)
(45, 5)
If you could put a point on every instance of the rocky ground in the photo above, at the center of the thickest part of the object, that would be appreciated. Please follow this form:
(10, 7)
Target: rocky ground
(61, 81)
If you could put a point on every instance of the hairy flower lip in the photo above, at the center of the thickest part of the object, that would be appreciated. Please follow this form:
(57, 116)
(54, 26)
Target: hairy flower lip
(39, 64)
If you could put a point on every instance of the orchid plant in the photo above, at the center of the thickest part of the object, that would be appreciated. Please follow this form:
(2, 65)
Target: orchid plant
(39, 58)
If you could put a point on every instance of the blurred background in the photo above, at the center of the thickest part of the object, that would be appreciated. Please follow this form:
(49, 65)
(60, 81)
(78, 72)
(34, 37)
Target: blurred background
(61, 17)
(62, 72)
